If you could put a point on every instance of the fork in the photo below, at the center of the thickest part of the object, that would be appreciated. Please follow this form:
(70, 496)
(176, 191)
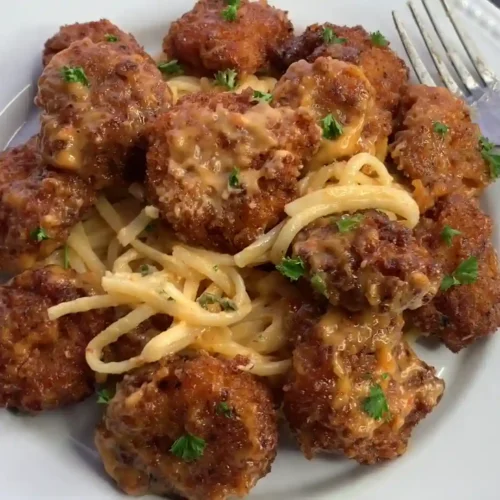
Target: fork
(481, 94)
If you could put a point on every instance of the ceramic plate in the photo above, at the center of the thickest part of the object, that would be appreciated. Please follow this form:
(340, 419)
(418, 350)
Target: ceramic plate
(453, 453)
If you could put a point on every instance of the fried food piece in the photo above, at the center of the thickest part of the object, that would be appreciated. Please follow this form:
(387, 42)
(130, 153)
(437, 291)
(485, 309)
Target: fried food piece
(96, 104)
(204, 398)
(465, 313)
(384, 69)
(38, 207)
(42, 362)
(221, 168)
(340, 89)
(356, 388)
(97, 31)
(132, 344)
(438, 164)
(374, 263)
(205, 40)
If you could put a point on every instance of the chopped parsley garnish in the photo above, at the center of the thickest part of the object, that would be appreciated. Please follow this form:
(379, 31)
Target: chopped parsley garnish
(319, 284)
(188, 447)
(465, 274)
(74, 75)
(104, 396)
(66, 257)
(39, 234)
(331, 38)
(110, 38)
(230, 13)
(492, 159)
(224, 409)
(375, 405)
(216, 267)
(262, 96)
(293, 269)
(440, 128)
(448, 233)
(332, 129)
(208, 298)
(171, 68)
(234, 179)
(349, 222)
(227, 78)
(379, 40)
(145, 270)
(385, 376)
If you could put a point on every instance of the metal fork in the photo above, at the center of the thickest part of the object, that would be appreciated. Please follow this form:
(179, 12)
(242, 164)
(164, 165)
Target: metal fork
(482, 94)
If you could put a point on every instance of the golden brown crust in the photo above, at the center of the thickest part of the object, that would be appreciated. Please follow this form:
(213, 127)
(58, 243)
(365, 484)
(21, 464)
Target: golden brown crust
(438, 165)
(157, 404)
(464, 313)
(378, 264)
(42, 362)
(334, 368)
(94, 130)
(97, 31)
(195, 147)
(203, 39)
(384, 69)
(329, 86)
(33, 196)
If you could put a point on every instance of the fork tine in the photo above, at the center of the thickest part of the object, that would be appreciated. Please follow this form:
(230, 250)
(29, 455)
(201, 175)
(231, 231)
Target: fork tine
(467, 79)
(440, 66)
(489, 78)
(423, 75)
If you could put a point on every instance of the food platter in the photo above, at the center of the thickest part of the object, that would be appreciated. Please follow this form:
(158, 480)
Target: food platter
(452, 452)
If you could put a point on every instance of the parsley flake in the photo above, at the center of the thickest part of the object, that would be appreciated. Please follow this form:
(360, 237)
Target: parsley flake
(319, 284)
(293, 269)
(110, 38)
(150, 227)
(493, 160)
(216, 267)
(332, 129)
(224, 409)
(74, 75)
(145, 270)
(234, 179)
(349, 222)
(440, 128)
(171, 68)
(227, 78)
(385, 376)
(104, 396)
(379, 40)
(259, 96)
(208, 298)
(331, 38)
(465, 274)
(230, 13)
(447, 235)
(188, 447)
(39, 234)
(375, 405)
(66, 257)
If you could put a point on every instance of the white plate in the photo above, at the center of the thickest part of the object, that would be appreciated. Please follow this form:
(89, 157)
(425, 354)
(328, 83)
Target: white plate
(454, 451)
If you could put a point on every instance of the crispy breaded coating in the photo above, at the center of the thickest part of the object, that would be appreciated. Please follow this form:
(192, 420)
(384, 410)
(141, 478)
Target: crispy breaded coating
(340, 89)
(42, 362)
(97, 31)
(356, 388)
(438, 164)
(203, 397)
(94, 126)
(207, 42)
(384, 69)
(221, 168)
(376, 263)
(38, 207)
(465, 313)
